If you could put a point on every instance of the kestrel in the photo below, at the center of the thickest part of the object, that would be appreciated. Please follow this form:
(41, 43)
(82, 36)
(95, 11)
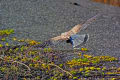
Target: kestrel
(71, 36)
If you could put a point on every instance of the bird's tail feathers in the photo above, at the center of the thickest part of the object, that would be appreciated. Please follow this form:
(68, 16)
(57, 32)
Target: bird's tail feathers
(77, 40)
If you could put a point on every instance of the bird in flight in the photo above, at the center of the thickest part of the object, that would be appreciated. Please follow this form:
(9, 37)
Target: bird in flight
(71, 36)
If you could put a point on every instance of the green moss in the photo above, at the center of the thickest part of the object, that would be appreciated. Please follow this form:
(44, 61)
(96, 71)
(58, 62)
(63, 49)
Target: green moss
(36, 64)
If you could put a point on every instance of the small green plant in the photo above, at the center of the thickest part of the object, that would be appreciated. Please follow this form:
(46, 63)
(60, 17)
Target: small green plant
(24, 62)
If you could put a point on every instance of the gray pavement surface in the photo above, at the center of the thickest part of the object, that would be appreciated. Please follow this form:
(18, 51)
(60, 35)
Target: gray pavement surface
(42, 19)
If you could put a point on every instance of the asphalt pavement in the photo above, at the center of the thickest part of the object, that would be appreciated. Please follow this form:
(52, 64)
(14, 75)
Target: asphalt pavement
(42, 19)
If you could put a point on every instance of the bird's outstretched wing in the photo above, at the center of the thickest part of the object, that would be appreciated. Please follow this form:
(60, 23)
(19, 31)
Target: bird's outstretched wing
(66, 35)
(74, 30)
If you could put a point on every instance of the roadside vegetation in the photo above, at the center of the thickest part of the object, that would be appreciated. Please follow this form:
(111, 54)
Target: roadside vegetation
(24, 62)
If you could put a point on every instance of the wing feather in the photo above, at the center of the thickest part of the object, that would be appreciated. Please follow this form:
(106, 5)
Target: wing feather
(77, 28)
